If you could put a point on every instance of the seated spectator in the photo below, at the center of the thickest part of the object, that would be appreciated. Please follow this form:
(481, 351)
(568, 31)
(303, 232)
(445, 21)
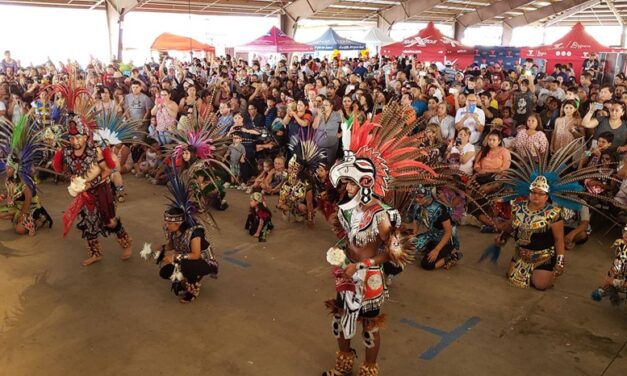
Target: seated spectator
(492, 159)
(445, 122)
(471, 117)
(463, 152)
(276, 177)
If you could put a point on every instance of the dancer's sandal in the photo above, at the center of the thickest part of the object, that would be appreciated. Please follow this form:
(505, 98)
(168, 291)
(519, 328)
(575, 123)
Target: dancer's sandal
(343, 364)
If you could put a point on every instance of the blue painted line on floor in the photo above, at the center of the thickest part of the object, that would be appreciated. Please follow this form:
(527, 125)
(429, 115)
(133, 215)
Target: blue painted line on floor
(237, 262)
(447, 338)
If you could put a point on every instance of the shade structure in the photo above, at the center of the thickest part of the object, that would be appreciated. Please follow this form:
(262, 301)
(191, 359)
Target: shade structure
(574, 47)
(331, 40)
(576, 44)
(431, 45)
(275, 41)
(172, 42)
(377, 37)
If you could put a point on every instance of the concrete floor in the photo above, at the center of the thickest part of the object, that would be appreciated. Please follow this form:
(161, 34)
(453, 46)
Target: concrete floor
(265, 313)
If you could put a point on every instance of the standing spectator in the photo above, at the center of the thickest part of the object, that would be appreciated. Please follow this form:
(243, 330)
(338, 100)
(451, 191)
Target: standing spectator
(165, 111)
(532, 138)
(328, 122)
(472, 118)
(297, 119)
(567, 127)
(523, 101)
(236, 155)
(138, 104)
(613, 124)
(8, 62)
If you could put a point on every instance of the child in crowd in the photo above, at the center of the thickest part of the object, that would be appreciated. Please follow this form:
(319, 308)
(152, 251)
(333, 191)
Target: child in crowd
(275, 179)
(266, 168)
(259, 221)
(236, 155)
(593, 156)
(150, 163)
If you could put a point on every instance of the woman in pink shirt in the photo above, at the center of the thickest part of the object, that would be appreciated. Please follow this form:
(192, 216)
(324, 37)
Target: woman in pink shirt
(493, 158)
(532, 138)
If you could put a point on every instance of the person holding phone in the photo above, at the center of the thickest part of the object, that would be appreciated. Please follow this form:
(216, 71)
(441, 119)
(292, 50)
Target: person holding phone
(614, 124)
(165, 111)
(472, 118)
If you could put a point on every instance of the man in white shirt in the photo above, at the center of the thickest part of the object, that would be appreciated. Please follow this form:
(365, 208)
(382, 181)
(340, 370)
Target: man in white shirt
(472, 117)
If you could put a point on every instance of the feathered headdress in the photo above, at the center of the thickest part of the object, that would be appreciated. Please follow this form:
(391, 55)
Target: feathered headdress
(179, 198)
(113, 129)
(377, 153)
(307, 155)
(199, 134)
(557, 175)
(20, 148)
(77, 103)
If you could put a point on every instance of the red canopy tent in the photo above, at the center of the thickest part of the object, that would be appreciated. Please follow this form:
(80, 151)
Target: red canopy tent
(275, 41)
(171, 42)
(431, 45)
(573, 47)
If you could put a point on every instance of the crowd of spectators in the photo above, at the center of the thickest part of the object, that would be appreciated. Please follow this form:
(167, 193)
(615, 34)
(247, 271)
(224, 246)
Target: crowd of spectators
(473, 116)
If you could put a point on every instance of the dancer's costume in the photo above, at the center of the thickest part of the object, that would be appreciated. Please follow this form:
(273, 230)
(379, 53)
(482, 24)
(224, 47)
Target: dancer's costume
(206, 173)
(535, 248)
(112, 129)
(299, 187)
(21, 150)
(259, 214)
(185, 273)
(431, 217)
(617, 291)
(95, 204)
(375, 156)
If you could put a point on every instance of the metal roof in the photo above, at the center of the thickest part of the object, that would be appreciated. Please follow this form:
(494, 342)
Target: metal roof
(592, 13)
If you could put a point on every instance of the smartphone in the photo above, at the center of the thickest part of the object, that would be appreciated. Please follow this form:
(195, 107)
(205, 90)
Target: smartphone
(453, 90)
(598, 106)
(422, 73)
(458, 141)
(471, 108)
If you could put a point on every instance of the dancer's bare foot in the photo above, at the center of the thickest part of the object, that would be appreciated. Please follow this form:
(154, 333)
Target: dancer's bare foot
(128, 252)
(91, 260)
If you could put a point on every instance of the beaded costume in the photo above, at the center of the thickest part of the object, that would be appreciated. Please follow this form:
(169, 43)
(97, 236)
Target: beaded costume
(184, 272)
(534, 241)
(94, 204)
(556, 177)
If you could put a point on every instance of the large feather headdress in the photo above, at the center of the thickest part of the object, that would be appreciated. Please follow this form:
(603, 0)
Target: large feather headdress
(379, 152)
(113, 129)
(20, 148)
(559, 172)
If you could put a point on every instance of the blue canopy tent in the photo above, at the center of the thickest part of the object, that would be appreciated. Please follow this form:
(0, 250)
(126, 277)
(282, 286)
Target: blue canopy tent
(331, 40)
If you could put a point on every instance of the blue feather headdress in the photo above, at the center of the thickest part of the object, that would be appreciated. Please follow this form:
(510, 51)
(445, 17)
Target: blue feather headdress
(179, 195)
(560, 170)
(181, 199)
(113, 129)
(20, 149)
